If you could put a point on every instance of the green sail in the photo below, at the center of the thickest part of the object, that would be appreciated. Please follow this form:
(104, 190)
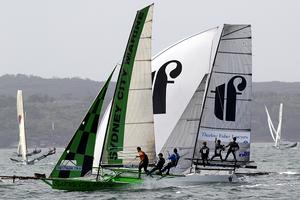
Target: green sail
(116, 125)
(77, 159)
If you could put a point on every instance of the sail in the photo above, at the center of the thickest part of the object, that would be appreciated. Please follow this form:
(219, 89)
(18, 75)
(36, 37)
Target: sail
(100, 137)
(22, 148)
(278, 133)
(184, 134)
(77, 159)
(271, 126)
(275, 133)
(226, 107)
(177, 72)
(131, 118)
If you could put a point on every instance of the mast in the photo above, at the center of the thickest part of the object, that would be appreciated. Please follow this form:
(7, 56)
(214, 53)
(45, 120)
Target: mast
(204, 98)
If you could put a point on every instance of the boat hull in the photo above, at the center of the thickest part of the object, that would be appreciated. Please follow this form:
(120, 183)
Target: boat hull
(74, 184)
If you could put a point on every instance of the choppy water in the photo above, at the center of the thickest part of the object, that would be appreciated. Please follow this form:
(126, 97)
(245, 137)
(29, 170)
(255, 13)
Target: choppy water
(284, 183)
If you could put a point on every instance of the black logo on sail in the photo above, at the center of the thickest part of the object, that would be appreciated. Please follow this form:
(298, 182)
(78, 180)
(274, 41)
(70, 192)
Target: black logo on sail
(160, 85)
(232, 92)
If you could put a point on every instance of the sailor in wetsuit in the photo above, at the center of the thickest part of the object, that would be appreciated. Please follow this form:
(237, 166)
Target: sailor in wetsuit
(159, 165)
(173, 161)
(204, 151)
(218, 149)
(233, 147)
(144, 160)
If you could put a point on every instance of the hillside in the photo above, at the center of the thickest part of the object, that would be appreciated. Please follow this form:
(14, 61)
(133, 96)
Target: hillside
(62, 103)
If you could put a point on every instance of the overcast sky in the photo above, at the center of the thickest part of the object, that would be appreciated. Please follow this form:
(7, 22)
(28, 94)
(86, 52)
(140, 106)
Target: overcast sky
(73, 38)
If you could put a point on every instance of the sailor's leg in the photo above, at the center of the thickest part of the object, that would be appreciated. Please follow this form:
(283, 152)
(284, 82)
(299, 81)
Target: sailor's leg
(140, 170)
(233, 153)
(152, 170)
(213, 157)
(169, 167)
(228, 152)
(145, 167)
(166, 167)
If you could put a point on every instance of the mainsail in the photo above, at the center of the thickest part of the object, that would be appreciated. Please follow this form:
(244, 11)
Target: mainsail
(77, 159)
(226, 108)
(177, 73)
(22, 147)
(130, 121)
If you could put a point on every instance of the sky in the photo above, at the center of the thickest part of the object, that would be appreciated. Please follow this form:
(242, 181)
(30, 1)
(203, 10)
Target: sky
(87, 38)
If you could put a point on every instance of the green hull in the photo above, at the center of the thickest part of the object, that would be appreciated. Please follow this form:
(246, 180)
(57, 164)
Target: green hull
(75, 184)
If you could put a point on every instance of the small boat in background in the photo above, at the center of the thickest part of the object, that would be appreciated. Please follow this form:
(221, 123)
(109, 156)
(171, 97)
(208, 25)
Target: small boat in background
(276, 133)
(22, 146)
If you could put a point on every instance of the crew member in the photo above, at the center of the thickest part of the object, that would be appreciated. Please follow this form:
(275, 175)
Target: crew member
(159, 164)
(173, 161)
(144, 160)
(233, 147)
(204, 151)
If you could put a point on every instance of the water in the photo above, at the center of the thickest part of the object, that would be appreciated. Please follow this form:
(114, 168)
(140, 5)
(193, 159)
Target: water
(284, 183)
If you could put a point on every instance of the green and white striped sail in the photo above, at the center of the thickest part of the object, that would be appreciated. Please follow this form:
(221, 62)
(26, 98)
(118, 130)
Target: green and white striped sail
(77, 159)
(131, 117)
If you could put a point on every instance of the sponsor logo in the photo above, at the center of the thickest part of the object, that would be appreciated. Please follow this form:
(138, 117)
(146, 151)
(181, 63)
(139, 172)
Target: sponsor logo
(244, 154)
(232, 92)
(68, 168)
(161, 82)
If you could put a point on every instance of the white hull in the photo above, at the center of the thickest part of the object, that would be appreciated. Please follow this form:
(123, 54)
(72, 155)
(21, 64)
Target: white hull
(199, 178)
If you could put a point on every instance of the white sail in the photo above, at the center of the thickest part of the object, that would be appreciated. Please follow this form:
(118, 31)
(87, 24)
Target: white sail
(22, 148)
(270, 125)
(177, 72)
(278, 133)
(226, 109)
(184, 134)
(101, 136)
(275, 133)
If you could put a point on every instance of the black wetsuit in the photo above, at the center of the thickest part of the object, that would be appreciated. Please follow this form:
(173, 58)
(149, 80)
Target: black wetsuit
(159, 165)
(233, 147)
(204, 154)
(218, 151)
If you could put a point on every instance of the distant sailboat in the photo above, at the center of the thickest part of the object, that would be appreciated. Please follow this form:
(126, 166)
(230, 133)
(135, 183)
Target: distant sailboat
(22, 146)
(276, 133)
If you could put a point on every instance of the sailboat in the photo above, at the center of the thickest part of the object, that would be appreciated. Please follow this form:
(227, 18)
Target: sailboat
(276, 133)
(128, 125)
(215, 103)
(22, 146)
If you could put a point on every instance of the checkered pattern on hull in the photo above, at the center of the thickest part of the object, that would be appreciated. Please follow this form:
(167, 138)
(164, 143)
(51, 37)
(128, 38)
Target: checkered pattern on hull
(77, 159)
